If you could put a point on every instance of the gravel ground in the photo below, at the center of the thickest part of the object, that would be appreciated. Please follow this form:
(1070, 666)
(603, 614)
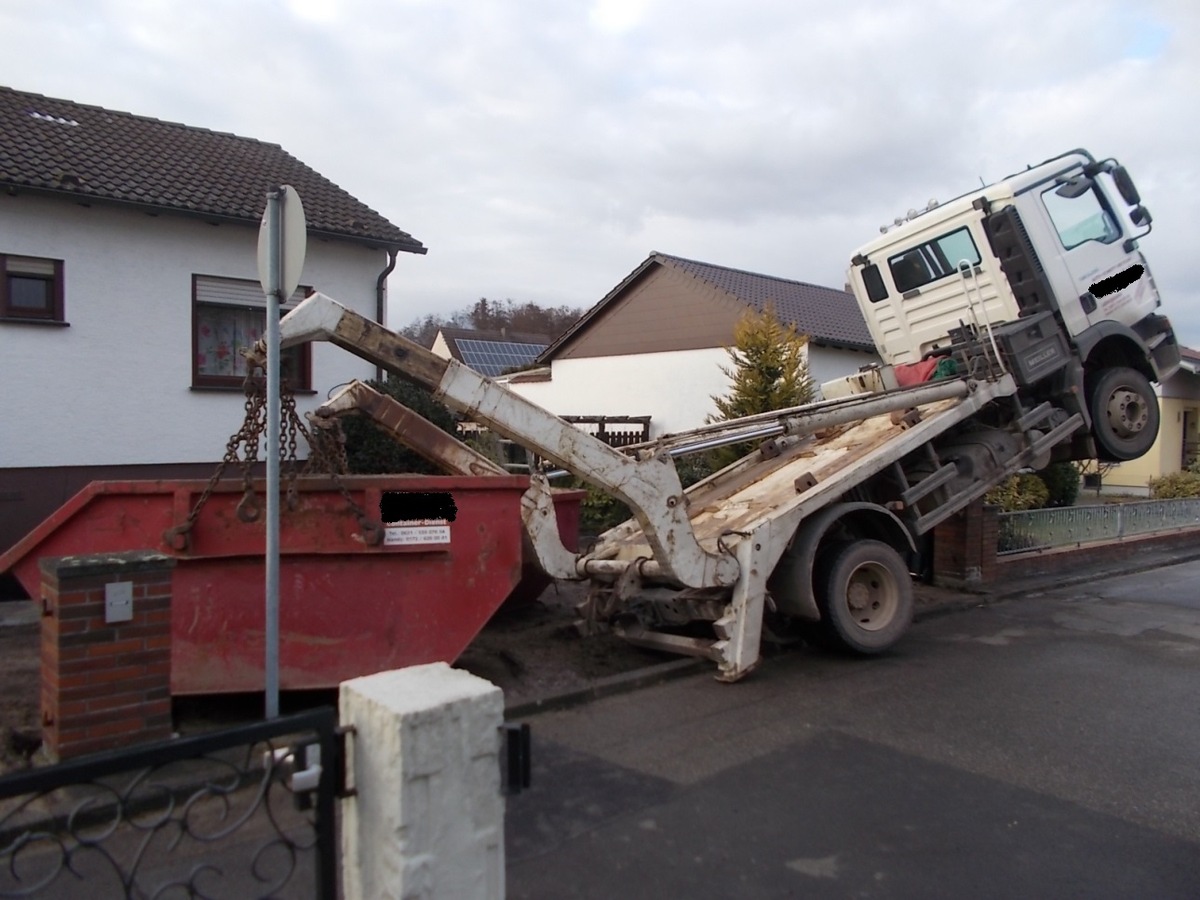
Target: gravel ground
(530, 650)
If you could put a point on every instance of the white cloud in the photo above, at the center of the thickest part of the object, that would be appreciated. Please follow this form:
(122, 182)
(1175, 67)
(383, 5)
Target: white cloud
(617, 15)
(541, 149)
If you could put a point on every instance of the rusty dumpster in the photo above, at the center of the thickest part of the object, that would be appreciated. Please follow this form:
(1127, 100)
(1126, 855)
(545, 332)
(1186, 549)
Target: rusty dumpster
(406, 583)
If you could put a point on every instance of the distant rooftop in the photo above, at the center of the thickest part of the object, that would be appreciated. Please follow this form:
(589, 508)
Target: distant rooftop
(827, 315)
(60, 148)
(493, 353)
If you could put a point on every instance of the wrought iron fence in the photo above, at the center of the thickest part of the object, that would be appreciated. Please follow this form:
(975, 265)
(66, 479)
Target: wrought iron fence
(247, 812)
(1039, 529)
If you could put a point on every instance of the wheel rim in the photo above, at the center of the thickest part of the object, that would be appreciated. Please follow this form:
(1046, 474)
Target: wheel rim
(872, 596)
(1127, 412)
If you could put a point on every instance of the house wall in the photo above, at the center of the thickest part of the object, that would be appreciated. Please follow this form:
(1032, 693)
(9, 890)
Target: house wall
(657, 350)
(441, 347)
(675, 388)
(663, 310)
(114, 388)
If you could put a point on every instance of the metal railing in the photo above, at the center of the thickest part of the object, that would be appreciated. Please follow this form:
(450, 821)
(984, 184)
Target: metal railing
(223, 814)
(1040, 529)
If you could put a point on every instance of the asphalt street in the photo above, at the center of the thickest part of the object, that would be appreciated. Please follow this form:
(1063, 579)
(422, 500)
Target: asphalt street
(1045, 746)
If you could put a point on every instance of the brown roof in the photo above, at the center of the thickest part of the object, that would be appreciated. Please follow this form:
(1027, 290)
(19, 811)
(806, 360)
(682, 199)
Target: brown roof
(68, 149)
(827, 315)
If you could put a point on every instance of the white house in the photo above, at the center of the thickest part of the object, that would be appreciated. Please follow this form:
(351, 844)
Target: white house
(655, 345)
(128, 282)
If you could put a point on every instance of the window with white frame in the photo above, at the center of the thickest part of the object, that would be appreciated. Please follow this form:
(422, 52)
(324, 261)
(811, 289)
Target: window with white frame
(31, 288)
(228, 316)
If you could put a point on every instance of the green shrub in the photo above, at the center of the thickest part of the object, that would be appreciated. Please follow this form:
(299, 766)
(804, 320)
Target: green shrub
(1175, 486)
(1062, 482)
(600, 511)
(371, 452)
(694, 468)
(1018, 493)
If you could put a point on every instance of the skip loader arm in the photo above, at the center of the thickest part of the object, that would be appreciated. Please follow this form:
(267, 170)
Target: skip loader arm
(649, 486)
(407, 428)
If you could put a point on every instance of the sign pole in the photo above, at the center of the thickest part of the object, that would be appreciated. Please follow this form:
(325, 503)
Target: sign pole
(282, 242)
(274, 217)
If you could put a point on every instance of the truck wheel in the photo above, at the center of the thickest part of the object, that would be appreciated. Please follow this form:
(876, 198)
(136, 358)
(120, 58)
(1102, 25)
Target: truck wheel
(867, 601)
(1124, 414)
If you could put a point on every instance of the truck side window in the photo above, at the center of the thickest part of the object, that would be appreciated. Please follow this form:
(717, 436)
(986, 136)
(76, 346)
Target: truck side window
(933, 260)
(1080, 219)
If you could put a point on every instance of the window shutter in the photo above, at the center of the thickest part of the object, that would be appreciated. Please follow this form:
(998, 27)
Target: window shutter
(229, 292)
(25, 265)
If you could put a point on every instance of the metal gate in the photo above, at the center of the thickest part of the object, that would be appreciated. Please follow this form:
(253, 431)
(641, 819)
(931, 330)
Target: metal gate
(246, 812)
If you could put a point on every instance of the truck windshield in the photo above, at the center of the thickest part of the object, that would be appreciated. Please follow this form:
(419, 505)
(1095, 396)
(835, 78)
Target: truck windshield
(1080, 219)
(932, 260)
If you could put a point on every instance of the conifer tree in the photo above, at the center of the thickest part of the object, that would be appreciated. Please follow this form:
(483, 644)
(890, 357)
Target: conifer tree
(769, 371)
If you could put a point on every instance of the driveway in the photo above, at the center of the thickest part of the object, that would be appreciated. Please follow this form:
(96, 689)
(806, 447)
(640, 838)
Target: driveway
(1045, 746)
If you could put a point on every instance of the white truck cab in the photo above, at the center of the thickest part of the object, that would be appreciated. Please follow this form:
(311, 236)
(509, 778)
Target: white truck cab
(1043, 270)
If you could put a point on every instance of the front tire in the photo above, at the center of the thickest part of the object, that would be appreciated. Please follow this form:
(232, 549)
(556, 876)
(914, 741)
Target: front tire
(867, 601)
(1124, 412)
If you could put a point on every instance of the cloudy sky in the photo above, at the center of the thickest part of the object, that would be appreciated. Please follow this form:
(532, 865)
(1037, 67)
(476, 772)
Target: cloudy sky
(542, 149)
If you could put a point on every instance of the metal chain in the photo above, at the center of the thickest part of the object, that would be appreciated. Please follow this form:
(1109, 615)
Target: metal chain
(287, 443)
(253, 424)
(327, 456)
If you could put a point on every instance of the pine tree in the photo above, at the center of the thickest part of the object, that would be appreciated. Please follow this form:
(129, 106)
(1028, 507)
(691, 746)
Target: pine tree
(769, 371)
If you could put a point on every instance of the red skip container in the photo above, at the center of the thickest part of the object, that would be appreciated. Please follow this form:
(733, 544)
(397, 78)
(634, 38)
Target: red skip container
(347, 607)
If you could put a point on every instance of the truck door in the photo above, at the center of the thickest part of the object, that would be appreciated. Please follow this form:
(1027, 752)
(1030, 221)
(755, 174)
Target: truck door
(1094, 276)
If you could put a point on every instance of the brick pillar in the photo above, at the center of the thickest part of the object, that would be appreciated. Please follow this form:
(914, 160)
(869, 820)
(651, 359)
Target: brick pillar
(989, 543)
(106, 651)
(958, 550)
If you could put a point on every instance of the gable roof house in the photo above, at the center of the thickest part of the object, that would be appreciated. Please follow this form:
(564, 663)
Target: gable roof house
(129, 281)
(656, 343)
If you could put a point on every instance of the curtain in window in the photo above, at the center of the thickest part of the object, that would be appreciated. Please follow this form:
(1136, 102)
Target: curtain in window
(222, 332)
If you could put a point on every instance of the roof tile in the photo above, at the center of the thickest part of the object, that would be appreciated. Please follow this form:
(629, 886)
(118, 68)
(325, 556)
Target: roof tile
(62, 147)
(826, 315)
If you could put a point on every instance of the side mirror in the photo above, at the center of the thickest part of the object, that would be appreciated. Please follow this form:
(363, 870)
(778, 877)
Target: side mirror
(1129, 192)
(1140, 216)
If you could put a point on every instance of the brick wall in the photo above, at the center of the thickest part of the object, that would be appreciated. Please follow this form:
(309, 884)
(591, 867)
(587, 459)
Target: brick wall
(105, 684)
(964, 547)
(1044, 562)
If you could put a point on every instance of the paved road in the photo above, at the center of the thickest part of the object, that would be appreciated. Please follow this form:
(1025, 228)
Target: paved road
(1043, 747)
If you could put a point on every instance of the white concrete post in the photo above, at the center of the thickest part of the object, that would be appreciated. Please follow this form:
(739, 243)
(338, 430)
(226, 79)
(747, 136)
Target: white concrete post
(428, 819)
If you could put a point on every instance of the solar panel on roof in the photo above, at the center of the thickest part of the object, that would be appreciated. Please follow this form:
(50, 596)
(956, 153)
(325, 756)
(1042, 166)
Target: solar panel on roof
(492, 358)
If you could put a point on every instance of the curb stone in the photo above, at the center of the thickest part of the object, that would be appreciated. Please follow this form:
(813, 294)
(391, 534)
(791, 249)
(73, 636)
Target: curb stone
(622, 683)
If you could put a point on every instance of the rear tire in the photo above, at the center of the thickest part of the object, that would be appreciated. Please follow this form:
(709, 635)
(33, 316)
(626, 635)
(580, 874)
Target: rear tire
(867, 598)
(1124, 413)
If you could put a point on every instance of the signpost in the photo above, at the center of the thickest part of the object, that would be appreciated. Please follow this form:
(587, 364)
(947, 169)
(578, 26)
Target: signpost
(282, 241)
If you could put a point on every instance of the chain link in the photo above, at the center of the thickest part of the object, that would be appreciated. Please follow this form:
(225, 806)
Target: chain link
(327, 456)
